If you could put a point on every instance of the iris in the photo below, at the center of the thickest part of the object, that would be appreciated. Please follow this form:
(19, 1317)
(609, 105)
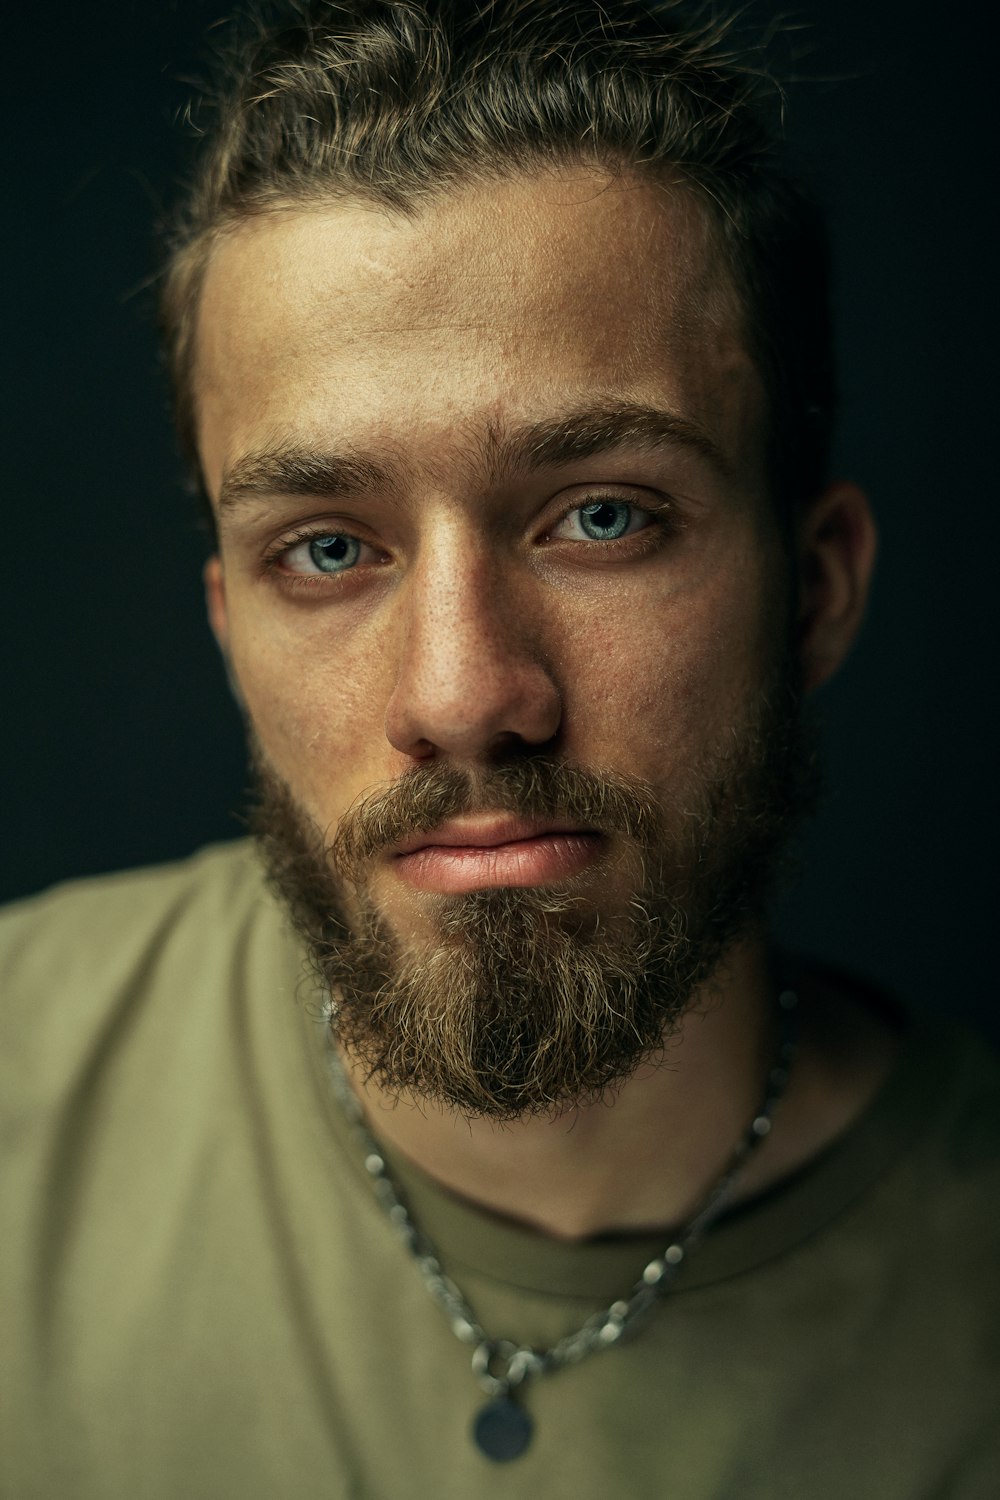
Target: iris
(335, 553)
(605, 520)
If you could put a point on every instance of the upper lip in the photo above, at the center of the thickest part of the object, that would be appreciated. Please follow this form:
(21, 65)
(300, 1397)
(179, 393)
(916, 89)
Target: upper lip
(485, 832)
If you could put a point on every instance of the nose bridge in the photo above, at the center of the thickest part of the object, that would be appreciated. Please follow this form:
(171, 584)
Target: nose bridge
(470, 666)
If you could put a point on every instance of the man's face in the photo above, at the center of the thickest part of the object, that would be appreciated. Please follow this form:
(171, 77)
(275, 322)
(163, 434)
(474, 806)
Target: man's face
(491, 494)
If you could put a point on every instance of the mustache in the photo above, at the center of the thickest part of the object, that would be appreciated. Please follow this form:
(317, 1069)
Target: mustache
(540, 787)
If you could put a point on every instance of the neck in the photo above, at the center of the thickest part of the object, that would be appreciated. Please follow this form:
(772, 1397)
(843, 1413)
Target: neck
(643, 1160)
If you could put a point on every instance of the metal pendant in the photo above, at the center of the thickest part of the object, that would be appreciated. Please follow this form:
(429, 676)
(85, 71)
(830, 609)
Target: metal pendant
(502, 1430)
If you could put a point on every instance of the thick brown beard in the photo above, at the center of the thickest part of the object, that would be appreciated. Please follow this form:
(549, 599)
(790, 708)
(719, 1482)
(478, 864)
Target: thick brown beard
(530, 1000)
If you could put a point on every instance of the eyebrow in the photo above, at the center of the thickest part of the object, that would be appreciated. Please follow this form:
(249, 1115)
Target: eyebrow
(503, 453)
(291, 470)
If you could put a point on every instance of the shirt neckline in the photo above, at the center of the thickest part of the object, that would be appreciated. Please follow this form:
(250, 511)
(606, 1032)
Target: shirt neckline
(469, 1239)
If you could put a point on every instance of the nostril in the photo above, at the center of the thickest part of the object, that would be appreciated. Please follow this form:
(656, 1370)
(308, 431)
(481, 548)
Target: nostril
(508, 743)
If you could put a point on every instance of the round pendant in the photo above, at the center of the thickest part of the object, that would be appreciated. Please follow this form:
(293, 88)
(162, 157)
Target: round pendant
(502, 1430)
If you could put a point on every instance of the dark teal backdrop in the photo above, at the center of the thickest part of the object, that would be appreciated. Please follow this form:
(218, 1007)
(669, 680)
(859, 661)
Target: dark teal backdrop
(120, 743)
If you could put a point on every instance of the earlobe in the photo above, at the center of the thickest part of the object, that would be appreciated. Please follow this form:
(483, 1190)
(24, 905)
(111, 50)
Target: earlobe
(837, 543)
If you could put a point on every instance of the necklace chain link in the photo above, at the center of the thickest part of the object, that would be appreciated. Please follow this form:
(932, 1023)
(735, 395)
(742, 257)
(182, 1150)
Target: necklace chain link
(500, 1365)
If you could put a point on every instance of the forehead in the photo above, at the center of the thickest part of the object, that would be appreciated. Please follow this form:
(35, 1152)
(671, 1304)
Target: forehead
(491, 304)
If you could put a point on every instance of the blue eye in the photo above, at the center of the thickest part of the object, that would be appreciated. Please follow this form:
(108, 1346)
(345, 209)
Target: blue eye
(326, 552)
(602, 521)
(335, 553)
(605, 520)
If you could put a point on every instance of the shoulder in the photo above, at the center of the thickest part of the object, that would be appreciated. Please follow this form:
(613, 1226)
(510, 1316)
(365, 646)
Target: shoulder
(221, 865)
(929, 1078)
(108, 919)
(958, 1092)
(931, 1146)
(89, 963)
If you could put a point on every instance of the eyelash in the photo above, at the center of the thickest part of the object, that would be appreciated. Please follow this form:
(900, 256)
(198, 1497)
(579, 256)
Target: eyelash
(661, 514)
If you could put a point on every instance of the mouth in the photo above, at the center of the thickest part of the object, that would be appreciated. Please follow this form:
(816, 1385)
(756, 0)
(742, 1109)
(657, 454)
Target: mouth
(469, 855)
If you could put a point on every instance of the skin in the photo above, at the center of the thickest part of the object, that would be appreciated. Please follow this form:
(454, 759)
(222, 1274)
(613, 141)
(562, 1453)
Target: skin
(481, 619)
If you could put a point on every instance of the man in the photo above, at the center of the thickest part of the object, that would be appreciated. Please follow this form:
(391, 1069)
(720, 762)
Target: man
(516, 1163)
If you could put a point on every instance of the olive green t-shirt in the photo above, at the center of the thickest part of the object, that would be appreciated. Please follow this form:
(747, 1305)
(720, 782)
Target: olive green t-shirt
(202, 1299)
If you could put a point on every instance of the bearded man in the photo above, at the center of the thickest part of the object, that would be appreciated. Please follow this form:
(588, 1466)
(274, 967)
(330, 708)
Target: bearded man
(515, 1162)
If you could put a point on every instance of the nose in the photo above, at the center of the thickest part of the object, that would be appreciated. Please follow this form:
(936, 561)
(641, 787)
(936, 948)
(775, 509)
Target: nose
(471, 676)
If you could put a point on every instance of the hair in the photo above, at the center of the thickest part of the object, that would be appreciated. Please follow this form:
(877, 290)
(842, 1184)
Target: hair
(400, 101)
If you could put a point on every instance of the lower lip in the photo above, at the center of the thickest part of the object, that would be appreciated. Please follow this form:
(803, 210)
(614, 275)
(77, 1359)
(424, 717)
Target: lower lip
(536, 861)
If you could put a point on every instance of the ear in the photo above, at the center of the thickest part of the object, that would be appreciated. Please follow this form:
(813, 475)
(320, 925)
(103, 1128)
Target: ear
(218, 617)
(215, 602)
(837, 543)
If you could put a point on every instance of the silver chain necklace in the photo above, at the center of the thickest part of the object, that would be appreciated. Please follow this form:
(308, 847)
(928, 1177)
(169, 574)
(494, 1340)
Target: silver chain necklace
(503, 1428)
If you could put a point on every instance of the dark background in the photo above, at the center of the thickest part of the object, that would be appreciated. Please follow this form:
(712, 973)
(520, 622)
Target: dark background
(121, 745)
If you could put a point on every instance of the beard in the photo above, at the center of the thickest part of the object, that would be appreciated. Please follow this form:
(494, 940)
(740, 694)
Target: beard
(521, 1001)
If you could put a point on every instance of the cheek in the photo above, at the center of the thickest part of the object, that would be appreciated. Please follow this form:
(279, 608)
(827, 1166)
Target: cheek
(315, 701)
(667, 675)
